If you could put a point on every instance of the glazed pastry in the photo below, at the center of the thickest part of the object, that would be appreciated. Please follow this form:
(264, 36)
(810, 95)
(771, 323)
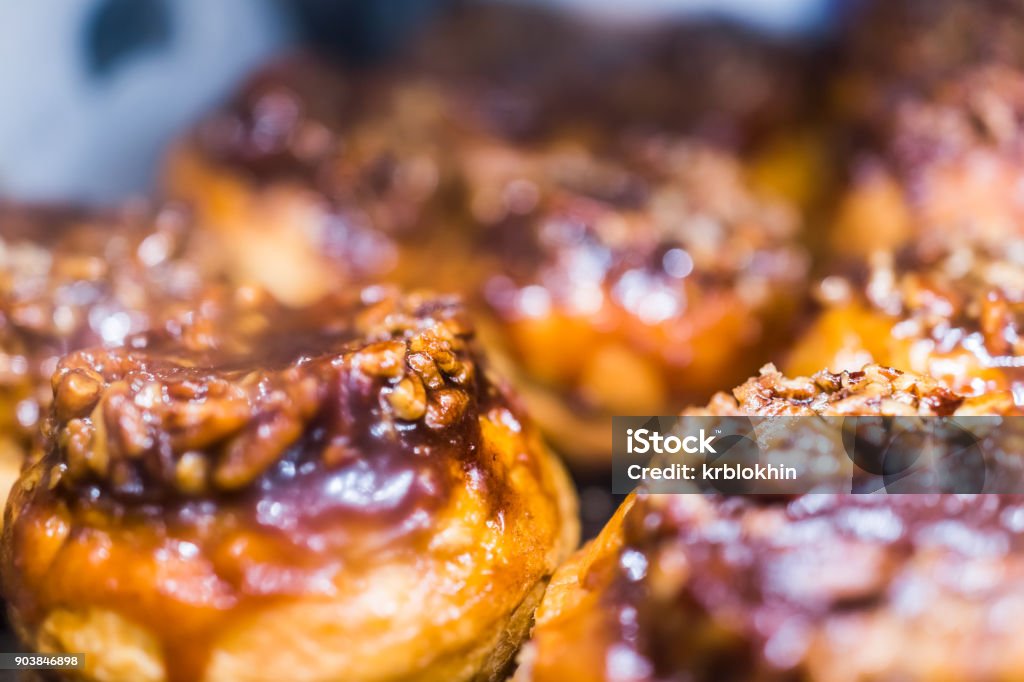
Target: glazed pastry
(941, 168)
(630, 281)
(332, 493)
(642, 256)
(72, 278)
(830, 588)
(932, 96)
(315, 178)
(928, 235)
(956, 318)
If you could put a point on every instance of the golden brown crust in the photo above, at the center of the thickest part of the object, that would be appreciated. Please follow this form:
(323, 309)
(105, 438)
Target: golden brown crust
(332, 492)
(705, 587)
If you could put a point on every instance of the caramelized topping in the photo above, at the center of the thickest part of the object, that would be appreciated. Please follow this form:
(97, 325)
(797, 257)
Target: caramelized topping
(667, 220)
(57, 266)
(386, 378)
(967, 300)
(71, 278)
(733, 589)
(875, 390)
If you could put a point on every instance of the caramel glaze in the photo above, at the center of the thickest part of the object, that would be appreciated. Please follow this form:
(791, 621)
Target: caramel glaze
(635, 280)
(735, 590)
(335, 176)
(71, 278)
(956, 317)
(259, 454)
(365, 160)
(813, 587)
(652, 252)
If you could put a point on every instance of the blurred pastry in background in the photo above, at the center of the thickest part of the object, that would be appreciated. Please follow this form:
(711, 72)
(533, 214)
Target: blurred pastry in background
(561, 74)
(317, 175)
(590, 258)
(335, 492)
(628, 280)
(941, 168)
(887, 45)
(930, 99)
(315, 178)
(71, 278)
(956, 318)
(816, 587)
(723, 81)
(925, 243)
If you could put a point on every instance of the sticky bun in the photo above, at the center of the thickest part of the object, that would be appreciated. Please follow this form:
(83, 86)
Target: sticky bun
(956, 318)
(932, 97)
(71, 278)
(647, 256)
(944, 169)
(317, 177)
(630, 282)
(825, 587)
(927, 237)
(337, 492)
